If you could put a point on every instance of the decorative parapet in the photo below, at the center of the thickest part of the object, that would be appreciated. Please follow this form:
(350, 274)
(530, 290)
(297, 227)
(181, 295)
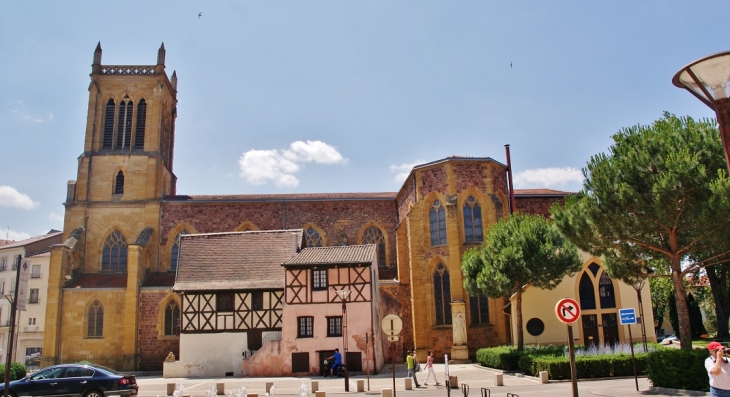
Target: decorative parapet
(128, 70)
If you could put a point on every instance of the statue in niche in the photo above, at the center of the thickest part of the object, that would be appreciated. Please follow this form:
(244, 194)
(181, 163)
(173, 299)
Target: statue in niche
(459, 329)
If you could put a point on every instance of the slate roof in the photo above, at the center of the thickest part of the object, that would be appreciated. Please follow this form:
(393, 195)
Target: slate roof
(335, 255)
(98, 280)
(541, 192)
(235, 261)
(283, 197)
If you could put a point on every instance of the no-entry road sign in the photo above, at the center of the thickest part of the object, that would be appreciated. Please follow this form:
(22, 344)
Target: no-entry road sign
(567, 310)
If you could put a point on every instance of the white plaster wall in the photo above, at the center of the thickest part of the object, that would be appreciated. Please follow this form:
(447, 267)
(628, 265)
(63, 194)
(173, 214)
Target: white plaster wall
(208, 355)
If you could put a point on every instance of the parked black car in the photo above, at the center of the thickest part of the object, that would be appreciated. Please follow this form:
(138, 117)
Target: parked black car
(74, 380)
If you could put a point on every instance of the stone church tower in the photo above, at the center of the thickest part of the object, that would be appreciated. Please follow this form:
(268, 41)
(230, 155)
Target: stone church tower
(113, 211)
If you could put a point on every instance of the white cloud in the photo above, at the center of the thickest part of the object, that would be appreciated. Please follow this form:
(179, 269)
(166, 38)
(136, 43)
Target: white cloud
(56, 219)
(261, 166)
(27, 116)
(12, 235)
(548, 177)
(404, 169)
(9, 197)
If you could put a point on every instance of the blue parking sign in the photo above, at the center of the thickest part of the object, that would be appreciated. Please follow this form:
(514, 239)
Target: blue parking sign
(628, 316)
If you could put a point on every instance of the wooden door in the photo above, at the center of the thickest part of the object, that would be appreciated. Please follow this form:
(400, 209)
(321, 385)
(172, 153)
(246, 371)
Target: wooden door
(610, 329)
(590, 330)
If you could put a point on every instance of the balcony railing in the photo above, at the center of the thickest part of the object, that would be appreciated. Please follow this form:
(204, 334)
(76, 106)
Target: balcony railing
(31, 329)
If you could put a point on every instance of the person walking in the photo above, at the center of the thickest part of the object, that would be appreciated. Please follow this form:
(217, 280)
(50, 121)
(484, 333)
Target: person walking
(429, 369)
(411, 363)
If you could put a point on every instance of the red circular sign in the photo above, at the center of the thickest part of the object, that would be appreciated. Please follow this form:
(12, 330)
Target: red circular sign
(567, 310)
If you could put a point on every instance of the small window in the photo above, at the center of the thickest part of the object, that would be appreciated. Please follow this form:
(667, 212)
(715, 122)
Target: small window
(305, 327)
(35, 271)
(319, 279)
(119, 183)
(606, 293)
(334, 326)
(3, 264)
(2, 287)
(479, 310)
(33, 297)
(224, 301)
(95, 320)
(472, 221)
(31, 321)
(172, 319)
(437, 222)
(33, 351)
(312, 237)
(257, 300)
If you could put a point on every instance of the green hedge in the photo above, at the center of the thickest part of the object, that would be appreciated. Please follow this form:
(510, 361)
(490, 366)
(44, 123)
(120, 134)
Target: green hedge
(508, 357)
(679, 369)
(17, 371)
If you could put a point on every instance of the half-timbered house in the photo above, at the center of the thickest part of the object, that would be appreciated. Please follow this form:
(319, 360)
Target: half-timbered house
(232, 288)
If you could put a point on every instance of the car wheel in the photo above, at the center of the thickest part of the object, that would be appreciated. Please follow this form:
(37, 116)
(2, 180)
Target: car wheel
(12, 394)
(94, 393)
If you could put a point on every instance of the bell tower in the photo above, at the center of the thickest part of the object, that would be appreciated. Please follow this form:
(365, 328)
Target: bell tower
(112, 217)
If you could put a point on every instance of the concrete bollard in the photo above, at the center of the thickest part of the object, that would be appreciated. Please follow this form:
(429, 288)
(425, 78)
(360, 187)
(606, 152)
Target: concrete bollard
(320, 394)
(386, 392)
(268, 386)
(315, 386)
(454, 382)
(360, 385)
(252, 395)
(220, 389)
(170, 389)
(543, 377)
(499, 380)
(408, 382)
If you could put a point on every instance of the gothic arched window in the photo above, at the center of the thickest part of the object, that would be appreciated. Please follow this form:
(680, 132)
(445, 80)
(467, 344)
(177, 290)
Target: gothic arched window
(172, 318)
(114, 255)
(373, 235)
(587, 295)
(313, 238)
(108, 125)
(175, 251)
(437, 220)
(141, 120)
(119, 183)
(124, 125)
(95, 320)
(479, 309)
(472, 221)
(442, 295)
(605, 290)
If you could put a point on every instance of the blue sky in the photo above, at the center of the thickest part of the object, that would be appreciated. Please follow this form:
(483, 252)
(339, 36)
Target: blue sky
(345, 96)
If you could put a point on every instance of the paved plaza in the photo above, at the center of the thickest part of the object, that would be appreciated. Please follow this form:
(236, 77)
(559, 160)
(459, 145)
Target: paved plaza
(473, 376)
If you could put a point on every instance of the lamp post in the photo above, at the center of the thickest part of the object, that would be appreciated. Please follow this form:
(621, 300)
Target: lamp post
(707, 79)
(638, 285)
(344, 294)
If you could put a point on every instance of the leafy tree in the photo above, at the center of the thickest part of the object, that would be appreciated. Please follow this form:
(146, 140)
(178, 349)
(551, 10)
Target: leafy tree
(519, 250)
(659, 194)
(695, 317)
(662, 291)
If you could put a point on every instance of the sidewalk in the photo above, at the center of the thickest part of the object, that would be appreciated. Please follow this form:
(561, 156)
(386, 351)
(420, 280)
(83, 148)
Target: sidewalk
(474, 376)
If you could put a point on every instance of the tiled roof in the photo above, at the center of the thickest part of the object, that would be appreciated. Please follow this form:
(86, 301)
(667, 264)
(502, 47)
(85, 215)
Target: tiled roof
(159, 280)
(21, 243)
(235, 261)
(42, 254)
(98, 280)
(541, 192)
(349, 254)
(284, 197)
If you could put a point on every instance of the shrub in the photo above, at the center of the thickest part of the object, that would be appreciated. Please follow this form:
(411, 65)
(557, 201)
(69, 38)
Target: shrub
(679, 369)
(501, 357)
(17, 371)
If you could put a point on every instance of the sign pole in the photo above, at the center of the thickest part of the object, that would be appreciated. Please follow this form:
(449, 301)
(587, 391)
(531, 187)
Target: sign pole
(392, 362)
(633, 361)
(573, 368)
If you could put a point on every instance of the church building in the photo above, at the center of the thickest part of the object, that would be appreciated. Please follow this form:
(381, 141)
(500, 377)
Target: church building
(110, 287)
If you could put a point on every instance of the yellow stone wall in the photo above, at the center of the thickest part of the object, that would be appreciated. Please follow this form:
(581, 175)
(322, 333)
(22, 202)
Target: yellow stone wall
(414, 246)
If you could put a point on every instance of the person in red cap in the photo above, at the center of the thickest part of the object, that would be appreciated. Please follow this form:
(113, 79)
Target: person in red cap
(718, 368)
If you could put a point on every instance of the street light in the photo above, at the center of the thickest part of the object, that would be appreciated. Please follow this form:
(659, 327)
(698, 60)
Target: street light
(707, 79)
(638, 285)
(344, 294)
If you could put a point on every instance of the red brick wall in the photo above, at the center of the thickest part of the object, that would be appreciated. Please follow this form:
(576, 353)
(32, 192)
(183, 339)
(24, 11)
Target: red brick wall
(152, 349)
(334, 218)
(536, 205)
(432, 180)
(469, 175)
(406, 197)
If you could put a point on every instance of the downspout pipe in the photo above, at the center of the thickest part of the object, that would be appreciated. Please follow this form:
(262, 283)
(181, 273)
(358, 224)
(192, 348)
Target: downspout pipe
(509, 181)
